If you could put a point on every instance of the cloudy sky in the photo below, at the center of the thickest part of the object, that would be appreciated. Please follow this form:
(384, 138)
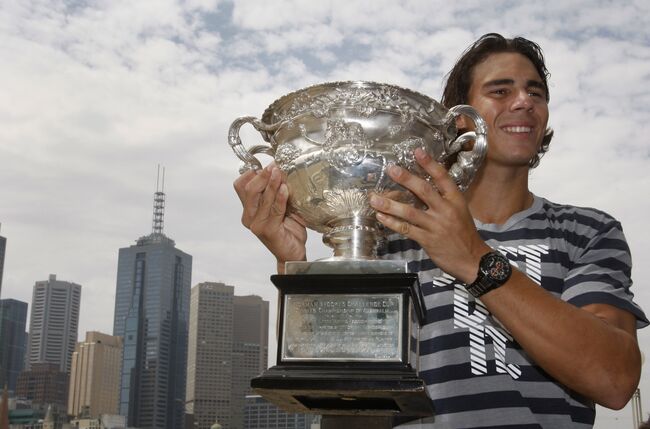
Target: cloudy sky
(95, 94)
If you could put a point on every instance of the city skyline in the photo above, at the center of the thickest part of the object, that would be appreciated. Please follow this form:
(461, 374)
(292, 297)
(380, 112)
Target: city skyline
(95, 95)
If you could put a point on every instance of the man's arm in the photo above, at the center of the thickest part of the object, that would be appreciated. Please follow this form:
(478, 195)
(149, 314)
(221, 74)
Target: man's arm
(591, 350)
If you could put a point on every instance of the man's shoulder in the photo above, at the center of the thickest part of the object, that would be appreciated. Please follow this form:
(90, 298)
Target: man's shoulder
(568, 214)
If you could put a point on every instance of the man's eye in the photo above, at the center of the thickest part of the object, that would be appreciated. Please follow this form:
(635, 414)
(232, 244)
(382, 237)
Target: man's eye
(499, 91)
(536, 94)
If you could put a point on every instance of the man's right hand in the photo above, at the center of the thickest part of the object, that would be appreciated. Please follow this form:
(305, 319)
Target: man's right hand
(264, 199)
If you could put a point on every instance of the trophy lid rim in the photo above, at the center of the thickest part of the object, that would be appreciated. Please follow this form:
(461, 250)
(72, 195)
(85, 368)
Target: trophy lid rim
(274, 106)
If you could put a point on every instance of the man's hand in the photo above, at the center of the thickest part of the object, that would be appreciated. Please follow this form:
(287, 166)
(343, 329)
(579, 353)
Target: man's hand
(264, 199)
(445, 230)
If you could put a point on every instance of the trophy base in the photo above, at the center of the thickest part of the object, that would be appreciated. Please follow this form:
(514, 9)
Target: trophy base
(399, 394)
(347, 266)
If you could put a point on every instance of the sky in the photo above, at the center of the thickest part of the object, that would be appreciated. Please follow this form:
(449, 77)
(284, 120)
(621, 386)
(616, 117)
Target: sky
(94, 95)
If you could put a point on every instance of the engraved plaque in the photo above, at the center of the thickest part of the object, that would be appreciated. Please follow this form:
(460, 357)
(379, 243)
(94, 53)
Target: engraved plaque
(342, 327)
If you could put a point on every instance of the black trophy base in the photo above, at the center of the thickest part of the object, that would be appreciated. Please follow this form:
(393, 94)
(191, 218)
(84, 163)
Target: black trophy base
(392, 394)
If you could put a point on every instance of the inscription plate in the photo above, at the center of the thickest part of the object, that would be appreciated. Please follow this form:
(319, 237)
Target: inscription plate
(340, 327)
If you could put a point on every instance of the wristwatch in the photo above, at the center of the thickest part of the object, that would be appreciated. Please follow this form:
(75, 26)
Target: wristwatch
(493, 271)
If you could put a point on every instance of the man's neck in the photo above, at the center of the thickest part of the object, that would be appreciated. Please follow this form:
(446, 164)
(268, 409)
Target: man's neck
(499, 192)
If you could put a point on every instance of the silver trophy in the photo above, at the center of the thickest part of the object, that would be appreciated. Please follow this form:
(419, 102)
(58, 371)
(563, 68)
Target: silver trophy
(334, 141)
(345, 331)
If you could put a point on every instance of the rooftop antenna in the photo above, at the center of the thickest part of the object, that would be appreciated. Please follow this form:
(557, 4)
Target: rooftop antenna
(159, 204)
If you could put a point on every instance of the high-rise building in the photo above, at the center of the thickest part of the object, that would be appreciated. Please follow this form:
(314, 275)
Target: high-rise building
(151, 314)
(210, 364)
(261, 414)
(54, 322)
(250, 348)
(228, 346)
(3, 248)
(13, 340)
(95, 377)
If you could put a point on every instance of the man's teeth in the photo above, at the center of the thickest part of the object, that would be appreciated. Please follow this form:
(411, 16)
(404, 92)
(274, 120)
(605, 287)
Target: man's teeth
(517, 129)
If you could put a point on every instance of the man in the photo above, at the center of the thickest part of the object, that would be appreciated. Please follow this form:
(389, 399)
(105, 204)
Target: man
(531, 319)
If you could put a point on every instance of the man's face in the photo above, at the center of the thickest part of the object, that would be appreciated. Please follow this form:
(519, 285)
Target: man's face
(509, 94)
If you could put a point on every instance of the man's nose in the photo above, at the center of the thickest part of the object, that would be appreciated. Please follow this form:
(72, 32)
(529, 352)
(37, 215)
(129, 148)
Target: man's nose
(522, 100)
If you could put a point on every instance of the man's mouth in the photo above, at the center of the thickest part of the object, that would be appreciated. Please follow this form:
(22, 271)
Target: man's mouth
(518, 129)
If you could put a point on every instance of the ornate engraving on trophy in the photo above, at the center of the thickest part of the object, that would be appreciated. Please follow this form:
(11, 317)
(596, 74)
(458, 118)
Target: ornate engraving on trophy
(342, 327)
(285, 155)
(345, 145)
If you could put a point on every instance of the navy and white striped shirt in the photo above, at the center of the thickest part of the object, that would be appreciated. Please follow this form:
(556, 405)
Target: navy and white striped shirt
(477, 375)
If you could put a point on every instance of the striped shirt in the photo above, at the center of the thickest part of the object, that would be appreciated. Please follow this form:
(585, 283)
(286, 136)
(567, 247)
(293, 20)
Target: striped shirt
(477, 374)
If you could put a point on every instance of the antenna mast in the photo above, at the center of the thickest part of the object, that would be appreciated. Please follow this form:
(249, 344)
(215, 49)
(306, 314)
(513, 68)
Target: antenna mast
(159, 204)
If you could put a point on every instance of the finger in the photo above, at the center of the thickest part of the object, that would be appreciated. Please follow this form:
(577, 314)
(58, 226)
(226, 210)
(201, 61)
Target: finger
(269, 208)
(252, 195)
(418, 186)
(400, 226)
(240, 183)
(441, 179)
(401, 211)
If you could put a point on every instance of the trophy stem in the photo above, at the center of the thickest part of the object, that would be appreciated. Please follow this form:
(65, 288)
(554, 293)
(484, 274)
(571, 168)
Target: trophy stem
(354, 238)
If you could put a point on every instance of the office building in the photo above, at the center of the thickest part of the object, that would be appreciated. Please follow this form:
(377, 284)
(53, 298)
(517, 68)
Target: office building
(261, 414)
(228, 346)
(151, 314)
(13, 340)
(95, 378)
(45, 385)
(250, 348)
(210, 364)
(3, 249)
(53, 323)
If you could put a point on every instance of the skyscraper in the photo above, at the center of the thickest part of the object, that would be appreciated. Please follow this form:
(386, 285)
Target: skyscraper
(228, 346)
(53, 323)
(250, 348)
(95, 377)
(13, 340)
(3, 248)
(151, 314)
(210, 364)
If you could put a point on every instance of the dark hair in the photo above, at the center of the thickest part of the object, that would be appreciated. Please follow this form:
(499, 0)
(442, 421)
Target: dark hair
(459, 78)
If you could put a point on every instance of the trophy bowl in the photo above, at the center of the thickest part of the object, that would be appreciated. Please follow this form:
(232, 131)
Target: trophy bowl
(333, 142)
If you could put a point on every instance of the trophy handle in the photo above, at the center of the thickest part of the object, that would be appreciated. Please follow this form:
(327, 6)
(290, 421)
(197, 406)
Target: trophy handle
(468, 161)
(247, 156)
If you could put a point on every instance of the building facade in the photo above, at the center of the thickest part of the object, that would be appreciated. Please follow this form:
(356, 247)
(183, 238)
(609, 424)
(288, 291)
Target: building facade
(54, 321)
(45, 385)
(95, 378)
(261, 414)
(152, 314)
(228, 346)
(13, 340)
(210, 364)
(250, 348)
(3, 249)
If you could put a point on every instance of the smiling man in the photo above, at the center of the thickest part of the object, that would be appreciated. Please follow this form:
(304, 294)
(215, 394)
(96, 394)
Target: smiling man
(532, 319)
(530, 316)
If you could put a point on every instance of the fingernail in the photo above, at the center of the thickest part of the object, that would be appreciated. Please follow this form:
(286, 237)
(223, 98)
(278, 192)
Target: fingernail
(394, 170)
(376, 201)
(284, 190)
(275, 173)
(421, 154)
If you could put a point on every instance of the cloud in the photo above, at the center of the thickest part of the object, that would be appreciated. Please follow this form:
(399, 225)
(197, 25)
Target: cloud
(96, 94)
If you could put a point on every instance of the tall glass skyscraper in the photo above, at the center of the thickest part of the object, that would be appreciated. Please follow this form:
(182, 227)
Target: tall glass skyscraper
(13, 340)
(151, 314)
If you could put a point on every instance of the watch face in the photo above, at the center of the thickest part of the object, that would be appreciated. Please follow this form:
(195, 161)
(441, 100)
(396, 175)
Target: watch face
(497, 267)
